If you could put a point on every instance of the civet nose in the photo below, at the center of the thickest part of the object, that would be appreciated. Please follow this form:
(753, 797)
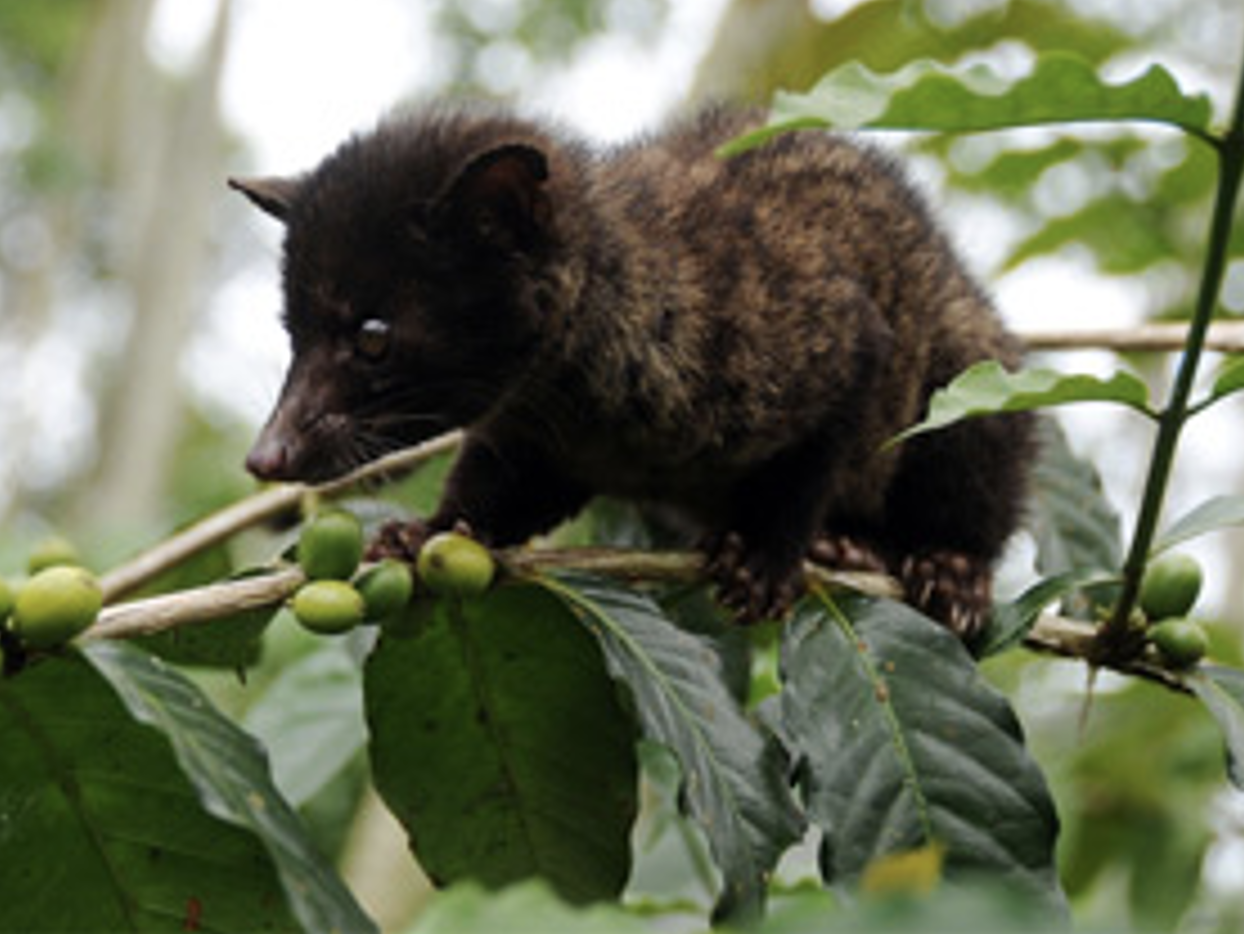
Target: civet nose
(268, 459)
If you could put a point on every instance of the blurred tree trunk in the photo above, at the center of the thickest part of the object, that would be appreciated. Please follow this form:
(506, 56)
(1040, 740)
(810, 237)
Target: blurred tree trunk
(754, 50)
(165, 153)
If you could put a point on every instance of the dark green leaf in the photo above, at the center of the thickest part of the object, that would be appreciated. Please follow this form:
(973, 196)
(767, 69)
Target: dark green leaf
(233, 642)
(230, 773)
(1075, 527)
(1220, 512)
(733, 775)
(903, 744)
(311, 721)
(926, 95)
(1222, 691)
(101, 828)
(987, 387)
(499, 743)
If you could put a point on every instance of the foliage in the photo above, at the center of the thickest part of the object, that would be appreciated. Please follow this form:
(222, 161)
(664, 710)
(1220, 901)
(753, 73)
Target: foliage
(927, 96)
(520, 736)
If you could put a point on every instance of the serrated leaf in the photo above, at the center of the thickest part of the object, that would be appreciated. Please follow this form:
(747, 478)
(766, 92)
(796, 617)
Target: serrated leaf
(926, 95)
(1075, 527)
(1219, 512)
(101, 829)
(734, 782)
(230, 773)
(1221, 690)
(904, 745)
(987, 388)
(311, 721)
(499, 743)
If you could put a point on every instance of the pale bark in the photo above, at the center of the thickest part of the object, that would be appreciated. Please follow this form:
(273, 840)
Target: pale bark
(168, 178)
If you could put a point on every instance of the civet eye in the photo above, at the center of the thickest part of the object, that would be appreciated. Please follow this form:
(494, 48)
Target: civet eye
(372, 340)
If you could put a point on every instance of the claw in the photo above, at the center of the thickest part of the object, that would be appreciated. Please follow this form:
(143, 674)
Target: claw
(749, 584)
(401, 540)
(952, 587)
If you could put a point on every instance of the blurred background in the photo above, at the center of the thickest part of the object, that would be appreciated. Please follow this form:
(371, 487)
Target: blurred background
(139, 338)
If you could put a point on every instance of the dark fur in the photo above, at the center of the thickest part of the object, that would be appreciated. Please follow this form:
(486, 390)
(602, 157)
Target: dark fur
(736, 338)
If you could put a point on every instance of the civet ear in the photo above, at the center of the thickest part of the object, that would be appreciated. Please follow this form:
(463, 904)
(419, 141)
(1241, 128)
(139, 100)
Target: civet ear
(273, 195)
(499, 196)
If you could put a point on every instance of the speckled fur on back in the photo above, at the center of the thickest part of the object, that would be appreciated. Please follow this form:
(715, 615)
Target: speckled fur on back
(737, 338)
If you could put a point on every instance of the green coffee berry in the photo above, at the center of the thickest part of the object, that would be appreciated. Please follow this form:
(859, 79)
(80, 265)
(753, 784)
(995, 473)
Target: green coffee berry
(328, 607)
(331, 545)
(1170, 586)
(454, 565)
(55, 605)
(386, 588)
(1182, 642)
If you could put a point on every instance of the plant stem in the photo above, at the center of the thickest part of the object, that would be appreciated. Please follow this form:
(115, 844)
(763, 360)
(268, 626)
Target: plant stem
(1115, 634)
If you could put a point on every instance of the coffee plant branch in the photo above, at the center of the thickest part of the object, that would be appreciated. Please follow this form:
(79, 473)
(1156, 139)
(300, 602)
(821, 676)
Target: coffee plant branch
(259, 507)
(1073, 639)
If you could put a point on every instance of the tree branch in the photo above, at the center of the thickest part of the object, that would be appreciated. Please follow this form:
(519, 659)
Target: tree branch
(257, 508)
(1223, 336)
(149, 615)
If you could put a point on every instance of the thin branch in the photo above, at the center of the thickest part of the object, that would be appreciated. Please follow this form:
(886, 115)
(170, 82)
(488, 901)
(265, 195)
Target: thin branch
(150, 615)
(1077, 640)
(1223, 336)
(257, 508)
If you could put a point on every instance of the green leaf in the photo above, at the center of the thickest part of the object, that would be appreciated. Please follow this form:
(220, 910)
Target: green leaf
(1230, 380)
(527, 906)
(1012, 621)
(903, 744)
(499, 743)
(926, 95)
(734, 782)
(101, 829)
(230, 773)
(1125, 235)
(978, 907)
(311, 721)
(231, 642)
(987, 388)
(1214, 514)
(1221, 690)
(1073, 523)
